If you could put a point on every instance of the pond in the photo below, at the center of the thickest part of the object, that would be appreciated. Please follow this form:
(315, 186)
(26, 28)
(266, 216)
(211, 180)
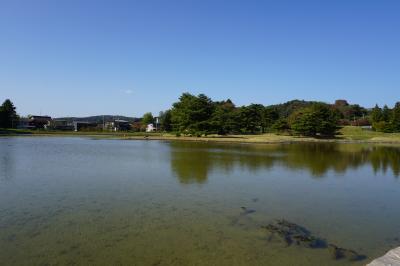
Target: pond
(81, 201)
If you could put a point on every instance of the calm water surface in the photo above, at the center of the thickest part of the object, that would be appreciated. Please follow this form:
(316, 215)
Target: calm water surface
(79, 201)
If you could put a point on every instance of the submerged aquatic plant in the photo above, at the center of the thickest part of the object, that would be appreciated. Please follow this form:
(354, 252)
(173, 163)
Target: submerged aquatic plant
(293, 233)
(247, 211)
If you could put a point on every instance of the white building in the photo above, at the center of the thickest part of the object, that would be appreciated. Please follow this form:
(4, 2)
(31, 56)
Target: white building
(150, 128)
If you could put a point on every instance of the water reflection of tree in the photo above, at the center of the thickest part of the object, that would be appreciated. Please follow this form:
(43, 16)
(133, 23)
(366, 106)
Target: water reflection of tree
(318, 159)
(190, 165)
(383, 158)
(192, 162)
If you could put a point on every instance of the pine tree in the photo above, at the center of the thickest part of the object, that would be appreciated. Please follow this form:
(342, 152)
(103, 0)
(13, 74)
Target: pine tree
(386, 113)
(8, 115)
(376, 114)
(317, 119)
(395, 121)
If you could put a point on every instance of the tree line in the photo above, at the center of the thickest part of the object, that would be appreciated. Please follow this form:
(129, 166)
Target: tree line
(199, 115)
(386, 119)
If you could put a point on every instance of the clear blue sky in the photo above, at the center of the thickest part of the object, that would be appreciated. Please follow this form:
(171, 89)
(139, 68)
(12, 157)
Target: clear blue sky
(75, 58)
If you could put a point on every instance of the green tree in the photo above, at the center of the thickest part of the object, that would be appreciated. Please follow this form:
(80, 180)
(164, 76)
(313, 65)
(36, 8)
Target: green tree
(250, 118)
(225, 117)
(269, 117)
(286, 109)
(382, 126)
(165, 120)
(8, 115)
(395, 120)
(281, 125)
(358, 111)
(192, 113)
(318, 119)
(303, 122)
(147, 118)
(376, 114)
(386, 114)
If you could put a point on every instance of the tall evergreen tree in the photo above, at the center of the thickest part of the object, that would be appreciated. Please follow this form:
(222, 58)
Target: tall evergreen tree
(250, 118)
(386, 114)
(269, 117)
(376, 114)
(8, 114)
(165, 120)
(225, 117)
(192, 113)
(318, 119)
(395, 120)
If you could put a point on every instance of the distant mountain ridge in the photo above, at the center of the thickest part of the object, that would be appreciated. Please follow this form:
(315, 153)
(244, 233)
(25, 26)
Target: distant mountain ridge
(99, 118)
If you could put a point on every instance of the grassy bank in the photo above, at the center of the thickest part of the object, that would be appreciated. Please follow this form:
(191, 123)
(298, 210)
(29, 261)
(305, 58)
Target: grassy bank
(26, 132)
(346, 134)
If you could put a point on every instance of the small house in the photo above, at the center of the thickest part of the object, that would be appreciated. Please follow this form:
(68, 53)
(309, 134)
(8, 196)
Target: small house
(150, 128)
(39, 121)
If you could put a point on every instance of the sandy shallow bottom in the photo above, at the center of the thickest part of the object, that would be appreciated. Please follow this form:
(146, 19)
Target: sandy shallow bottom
(71, 201)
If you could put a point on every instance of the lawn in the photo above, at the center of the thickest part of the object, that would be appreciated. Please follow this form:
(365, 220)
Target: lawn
(346, 134)
(356, 133)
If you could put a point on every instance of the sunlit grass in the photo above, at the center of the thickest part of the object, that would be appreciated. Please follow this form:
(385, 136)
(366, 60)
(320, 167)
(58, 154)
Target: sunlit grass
(357, 133)
(347, 133)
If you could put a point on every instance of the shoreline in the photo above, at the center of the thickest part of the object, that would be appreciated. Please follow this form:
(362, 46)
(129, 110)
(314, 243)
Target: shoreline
(294, 140)
(230, 139)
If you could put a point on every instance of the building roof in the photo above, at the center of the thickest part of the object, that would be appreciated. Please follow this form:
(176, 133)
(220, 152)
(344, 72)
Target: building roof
(40, 116)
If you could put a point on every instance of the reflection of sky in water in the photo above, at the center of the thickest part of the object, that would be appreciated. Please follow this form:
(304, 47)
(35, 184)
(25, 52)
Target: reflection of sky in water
(82, 201)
